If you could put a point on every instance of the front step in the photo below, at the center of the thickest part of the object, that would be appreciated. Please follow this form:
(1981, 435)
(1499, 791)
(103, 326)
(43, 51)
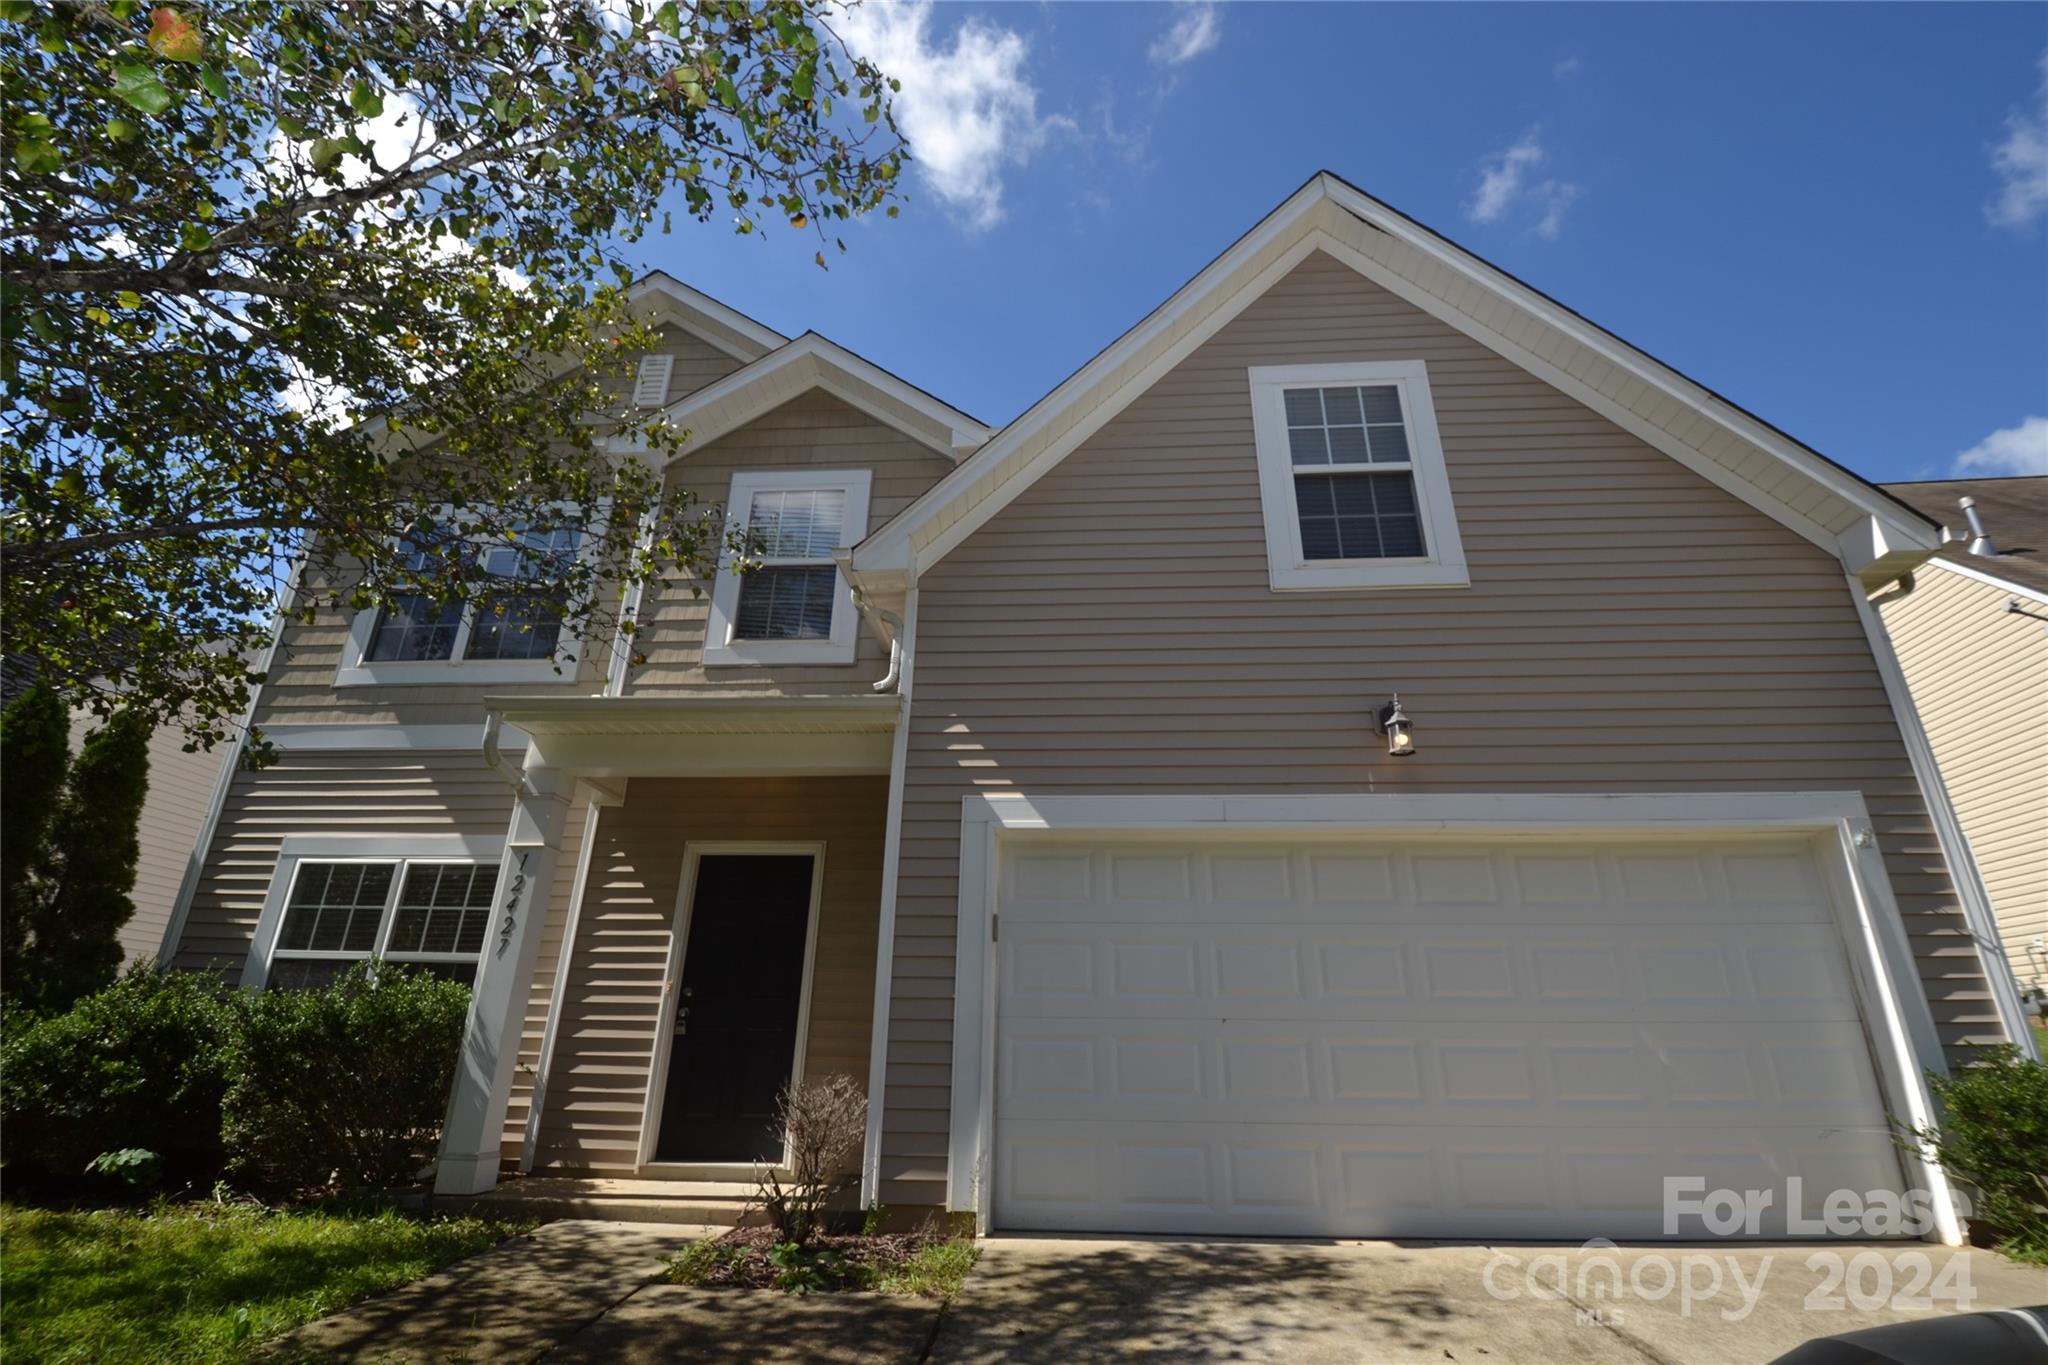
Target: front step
(699, 1203)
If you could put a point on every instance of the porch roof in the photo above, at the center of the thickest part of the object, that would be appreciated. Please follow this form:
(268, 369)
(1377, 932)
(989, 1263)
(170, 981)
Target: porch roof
(704, 736)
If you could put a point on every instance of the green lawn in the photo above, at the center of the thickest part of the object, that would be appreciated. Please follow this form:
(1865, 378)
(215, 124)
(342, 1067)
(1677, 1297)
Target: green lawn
(199, 1282)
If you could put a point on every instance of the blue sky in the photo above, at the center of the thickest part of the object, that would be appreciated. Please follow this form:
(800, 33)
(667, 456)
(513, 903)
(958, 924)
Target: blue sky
(1837, 215)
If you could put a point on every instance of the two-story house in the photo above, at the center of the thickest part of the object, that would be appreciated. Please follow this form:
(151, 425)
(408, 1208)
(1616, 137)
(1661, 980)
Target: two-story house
(1371, 753)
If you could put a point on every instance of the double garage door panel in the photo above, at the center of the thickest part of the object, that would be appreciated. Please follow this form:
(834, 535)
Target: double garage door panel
(1516, 1038)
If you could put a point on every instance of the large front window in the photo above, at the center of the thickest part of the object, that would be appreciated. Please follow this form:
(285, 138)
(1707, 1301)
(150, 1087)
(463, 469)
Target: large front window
(427, 912)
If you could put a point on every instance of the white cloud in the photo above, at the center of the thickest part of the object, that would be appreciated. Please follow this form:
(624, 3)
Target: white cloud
(1565, 68)
(1555, 196)
(1197, 27)
(2009, 450)
(967, 108)
(1506, 182)
(2022, 163)
(1501, 176)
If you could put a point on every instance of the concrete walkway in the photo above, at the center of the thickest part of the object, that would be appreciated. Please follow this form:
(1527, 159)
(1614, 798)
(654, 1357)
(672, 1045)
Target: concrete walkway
(581, 1291)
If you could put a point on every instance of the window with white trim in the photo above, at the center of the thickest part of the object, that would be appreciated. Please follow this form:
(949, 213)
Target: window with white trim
(793, 605)
(510, 633)
(431, 913)
(1351, 477)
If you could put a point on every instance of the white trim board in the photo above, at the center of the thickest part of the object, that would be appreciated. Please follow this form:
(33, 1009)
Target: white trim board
(885, 929)
(374, 738)
(1904, 1042)
(1986, 576)
(694, 852)
(1748, 458)
(195, 861)
(696, 312)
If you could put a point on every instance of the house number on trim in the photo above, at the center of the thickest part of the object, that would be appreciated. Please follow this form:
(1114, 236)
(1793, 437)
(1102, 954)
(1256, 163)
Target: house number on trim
(512, 894)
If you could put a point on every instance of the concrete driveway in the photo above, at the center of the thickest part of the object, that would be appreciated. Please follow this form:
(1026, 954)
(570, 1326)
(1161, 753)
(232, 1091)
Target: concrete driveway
(1049, 1300)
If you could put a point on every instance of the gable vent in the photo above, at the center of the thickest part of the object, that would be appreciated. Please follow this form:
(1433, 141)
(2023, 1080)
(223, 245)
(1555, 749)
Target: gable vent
(650, 389)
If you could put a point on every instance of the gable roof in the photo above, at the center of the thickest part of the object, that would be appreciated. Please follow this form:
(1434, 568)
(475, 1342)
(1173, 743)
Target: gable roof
(1873, 533)
(814, 362)
(2015, 515)
(664, 298)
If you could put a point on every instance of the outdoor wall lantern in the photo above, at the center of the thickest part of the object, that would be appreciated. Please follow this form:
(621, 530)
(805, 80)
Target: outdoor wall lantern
(1399, 730)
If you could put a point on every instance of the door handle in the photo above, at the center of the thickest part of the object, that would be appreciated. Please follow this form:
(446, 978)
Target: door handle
(683, 1013)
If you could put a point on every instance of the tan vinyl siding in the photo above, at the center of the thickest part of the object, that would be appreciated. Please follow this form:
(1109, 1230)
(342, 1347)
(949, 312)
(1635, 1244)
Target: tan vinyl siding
(597, 1087)
(1979, 676)
(1629, 627)
(547, 962)
(395, 793)
(301, 689)
(816, 430)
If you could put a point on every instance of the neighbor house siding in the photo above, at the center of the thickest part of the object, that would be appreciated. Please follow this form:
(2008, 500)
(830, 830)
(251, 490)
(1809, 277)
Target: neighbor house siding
(181, 789)
(1979, 676)
(301, 689)
(818, 431)
(597, 1087)
(1629, 627)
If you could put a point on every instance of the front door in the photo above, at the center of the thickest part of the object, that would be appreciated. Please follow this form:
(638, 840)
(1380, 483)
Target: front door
(735, 1009)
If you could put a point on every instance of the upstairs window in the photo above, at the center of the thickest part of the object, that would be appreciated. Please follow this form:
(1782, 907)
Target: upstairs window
(793, 607)
(428, 913)
(512, 631)
(1351, 476)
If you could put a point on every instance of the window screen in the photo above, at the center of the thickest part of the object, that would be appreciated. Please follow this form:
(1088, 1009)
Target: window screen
(435, 915)
(792, 594)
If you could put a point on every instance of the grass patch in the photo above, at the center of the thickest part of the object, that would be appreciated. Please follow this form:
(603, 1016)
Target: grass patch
(933, 1271)
(922, 1264)
(201, 1283)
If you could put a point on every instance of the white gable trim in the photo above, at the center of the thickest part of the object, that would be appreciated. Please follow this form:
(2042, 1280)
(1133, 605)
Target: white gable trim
(704, 317)
(812, 362)
(1830, 507)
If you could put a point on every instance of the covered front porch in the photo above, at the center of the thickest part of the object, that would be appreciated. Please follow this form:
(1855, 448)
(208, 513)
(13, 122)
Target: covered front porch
(718, 941)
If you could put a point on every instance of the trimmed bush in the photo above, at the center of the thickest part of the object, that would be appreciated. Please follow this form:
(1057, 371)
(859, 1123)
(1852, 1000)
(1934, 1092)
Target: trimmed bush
(1994, 1136)
(142, 1063)
(344, 1085)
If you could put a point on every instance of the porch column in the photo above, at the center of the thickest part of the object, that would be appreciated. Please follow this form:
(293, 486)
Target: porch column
(490, 1042)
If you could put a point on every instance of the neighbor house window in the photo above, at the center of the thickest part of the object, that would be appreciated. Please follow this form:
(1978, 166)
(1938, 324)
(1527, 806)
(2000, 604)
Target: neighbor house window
(511, 632)
(430, 913)
(792, 606)
(1352, 477)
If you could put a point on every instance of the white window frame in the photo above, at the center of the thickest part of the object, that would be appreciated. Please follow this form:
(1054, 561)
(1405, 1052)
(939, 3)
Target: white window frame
(354, 848)
(720, 649)
(1288, 569)
(359, 670)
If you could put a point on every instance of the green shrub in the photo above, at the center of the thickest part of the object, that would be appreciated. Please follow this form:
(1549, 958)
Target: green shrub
(142, 1063)
(347, 1084)
(1994, 1137)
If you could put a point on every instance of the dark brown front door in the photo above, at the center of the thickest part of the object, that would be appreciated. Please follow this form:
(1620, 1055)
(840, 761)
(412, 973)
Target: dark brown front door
(735, 1015)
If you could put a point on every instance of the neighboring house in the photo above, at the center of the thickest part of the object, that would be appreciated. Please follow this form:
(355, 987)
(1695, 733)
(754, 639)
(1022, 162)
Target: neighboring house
(1971, 630)
(1076, 836)
(181, 790)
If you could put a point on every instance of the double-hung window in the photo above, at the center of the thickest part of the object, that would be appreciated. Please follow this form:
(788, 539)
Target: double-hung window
(512, 632)
(1351, 476)
(792, 606)
(331, 907)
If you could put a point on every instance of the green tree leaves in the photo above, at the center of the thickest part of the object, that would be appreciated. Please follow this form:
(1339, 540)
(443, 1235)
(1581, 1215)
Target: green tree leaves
(279, 276)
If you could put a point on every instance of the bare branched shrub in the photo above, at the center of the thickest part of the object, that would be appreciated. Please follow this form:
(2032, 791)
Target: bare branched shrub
(826, 1121)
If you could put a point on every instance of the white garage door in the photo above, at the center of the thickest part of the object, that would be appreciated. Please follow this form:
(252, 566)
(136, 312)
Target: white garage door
(1515, 1038)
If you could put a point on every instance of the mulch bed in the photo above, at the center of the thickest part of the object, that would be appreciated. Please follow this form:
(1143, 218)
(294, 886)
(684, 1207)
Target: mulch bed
(842, 1261)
